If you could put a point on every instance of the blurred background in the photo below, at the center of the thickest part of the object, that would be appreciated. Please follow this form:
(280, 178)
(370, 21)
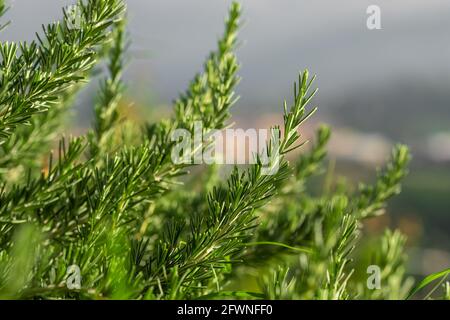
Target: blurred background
(377, 87)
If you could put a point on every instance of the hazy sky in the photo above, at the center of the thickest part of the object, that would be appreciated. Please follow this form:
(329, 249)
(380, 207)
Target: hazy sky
(171, 39)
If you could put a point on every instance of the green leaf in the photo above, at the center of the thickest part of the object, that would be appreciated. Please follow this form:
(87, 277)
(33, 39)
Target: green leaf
(232, 294)
(427, 280)
(279, 244)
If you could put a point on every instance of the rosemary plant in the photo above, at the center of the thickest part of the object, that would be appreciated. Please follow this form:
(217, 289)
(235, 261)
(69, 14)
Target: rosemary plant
(111, 206)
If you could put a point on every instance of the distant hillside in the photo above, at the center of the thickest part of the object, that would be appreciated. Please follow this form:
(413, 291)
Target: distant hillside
(406, 111)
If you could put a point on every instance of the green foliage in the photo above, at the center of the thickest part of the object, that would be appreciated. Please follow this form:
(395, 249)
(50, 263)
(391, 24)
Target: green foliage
(39, 79)
(117, 208)
(442, 275)
(388, 253)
